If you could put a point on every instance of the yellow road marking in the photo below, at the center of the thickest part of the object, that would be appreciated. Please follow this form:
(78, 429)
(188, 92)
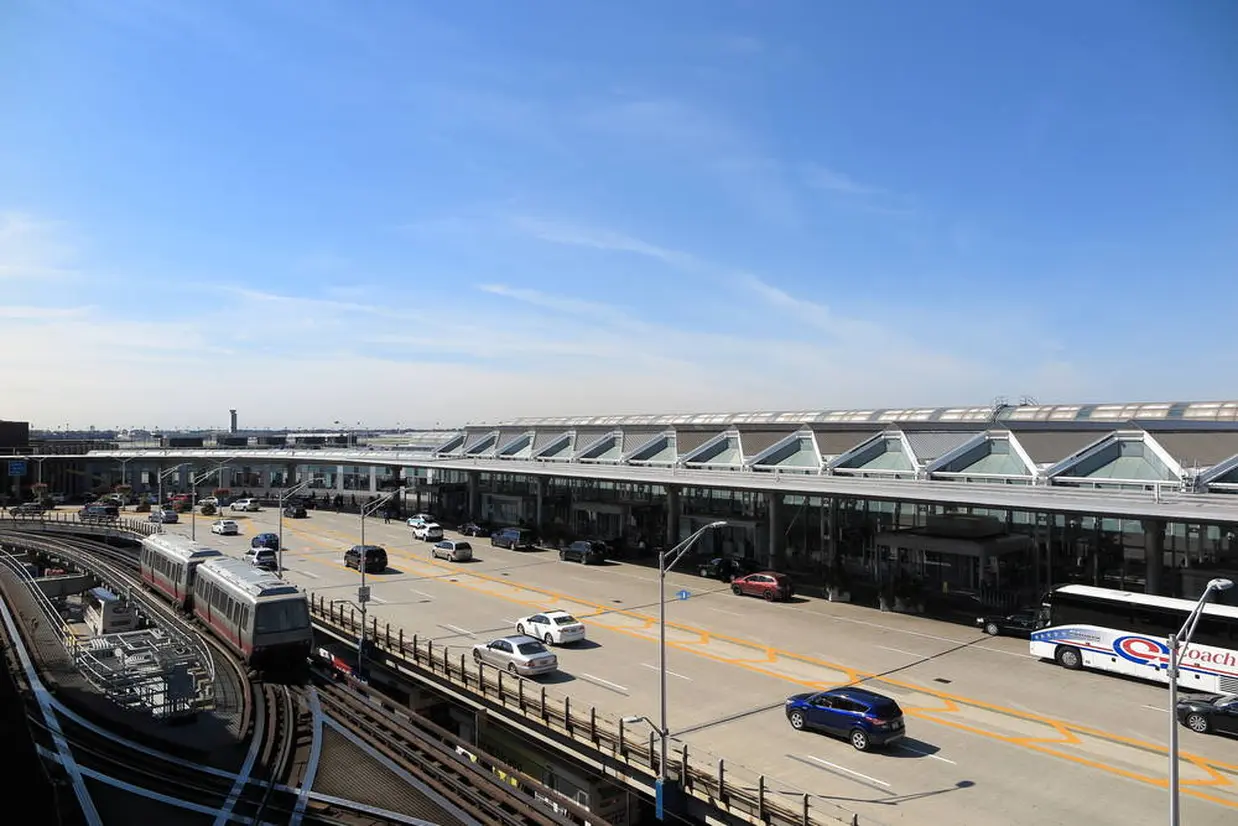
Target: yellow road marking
(952, 703)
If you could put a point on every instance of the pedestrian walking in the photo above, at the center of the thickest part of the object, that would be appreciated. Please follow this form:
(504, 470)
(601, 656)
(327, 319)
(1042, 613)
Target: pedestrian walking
(386, 517)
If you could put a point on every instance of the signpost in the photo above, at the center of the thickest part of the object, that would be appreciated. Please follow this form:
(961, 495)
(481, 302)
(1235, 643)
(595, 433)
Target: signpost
(683, 594)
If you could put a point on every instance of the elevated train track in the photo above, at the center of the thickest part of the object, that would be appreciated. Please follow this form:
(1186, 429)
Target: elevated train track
(275, 781)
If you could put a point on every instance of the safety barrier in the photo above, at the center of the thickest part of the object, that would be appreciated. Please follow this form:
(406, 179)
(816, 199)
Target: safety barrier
(53, 520)
(734, 789)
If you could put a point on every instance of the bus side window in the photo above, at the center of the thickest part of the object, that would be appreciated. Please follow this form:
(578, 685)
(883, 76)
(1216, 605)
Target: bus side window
(1215, 631)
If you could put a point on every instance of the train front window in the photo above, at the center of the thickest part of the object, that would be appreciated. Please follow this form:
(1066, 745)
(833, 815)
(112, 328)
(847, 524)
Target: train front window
(287, 615)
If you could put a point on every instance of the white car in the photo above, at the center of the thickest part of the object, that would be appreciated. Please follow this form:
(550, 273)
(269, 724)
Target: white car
(419, 519)
(552, 627)
(453, 550)
(209, 500)
(428, 531)
(244, 505)
(225, 527)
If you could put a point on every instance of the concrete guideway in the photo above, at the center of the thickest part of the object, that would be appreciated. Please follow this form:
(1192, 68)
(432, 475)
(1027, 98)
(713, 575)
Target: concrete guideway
(975, 734)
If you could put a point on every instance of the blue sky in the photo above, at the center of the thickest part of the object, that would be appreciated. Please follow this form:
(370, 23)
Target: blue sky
(450, 212)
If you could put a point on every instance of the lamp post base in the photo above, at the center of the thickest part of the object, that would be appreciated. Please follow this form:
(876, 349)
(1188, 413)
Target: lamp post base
(667, 797)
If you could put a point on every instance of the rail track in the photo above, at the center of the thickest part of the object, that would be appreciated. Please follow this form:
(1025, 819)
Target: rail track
(266, 788)
(444, 762)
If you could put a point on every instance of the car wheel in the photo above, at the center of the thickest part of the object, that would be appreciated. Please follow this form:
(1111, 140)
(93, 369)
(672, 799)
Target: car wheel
(1197, 722)
(492, 542)
(563, 556)
(549, 640)
(511, 668)
(476, 656)
(991, 629)
(520, 628)
(1068, 657)
(797, 720)
(770, 596)
(737, 591)
(859, 739)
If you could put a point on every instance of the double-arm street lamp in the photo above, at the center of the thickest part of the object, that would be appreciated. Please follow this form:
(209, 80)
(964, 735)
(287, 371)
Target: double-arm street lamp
(164, 474)
(284, 497)
(194, 481)
(666, 561)
(1183, 639)
(363, 593)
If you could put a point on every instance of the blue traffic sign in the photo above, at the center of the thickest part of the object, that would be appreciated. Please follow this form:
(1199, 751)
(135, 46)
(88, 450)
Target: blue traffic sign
(683, 594)
(17, 467)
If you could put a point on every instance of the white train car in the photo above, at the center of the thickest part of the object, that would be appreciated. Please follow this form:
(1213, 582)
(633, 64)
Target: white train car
(168, 564)
(258, 615)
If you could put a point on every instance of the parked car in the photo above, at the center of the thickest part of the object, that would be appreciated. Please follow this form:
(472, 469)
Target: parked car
(516, 539)
(59, 499)
(517, 654)
(225, 527)
(164, 516)
(475, 529)
(265, 540)
(419, 519)
(585, 551)
(1218, 713)
(1019, 624)
(552, 627)
(28, 509)
(726, 568)
(295, 510)
(265, 559)
(428, 532)
(375, 558)
(767, 584)
(209, 500)
(453, 550)
(864, 717)
(244, 505)
(98, 513)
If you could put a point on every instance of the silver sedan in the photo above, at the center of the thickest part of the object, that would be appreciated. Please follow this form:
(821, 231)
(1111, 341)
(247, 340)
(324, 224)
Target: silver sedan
(517, 654)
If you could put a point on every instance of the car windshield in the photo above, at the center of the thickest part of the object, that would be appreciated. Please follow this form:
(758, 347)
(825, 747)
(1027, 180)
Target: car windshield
(285, 615)
(565, 620)
(530, 648)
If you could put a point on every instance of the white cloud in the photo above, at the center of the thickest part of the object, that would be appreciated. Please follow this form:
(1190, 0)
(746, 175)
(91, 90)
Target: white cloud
(819, 177)
(31, 248)
(558, 232)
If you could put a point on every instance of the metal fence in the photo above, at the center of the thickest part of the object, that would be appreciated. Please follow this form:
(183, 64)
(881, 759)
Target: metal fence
(92, 524)
(732, 788)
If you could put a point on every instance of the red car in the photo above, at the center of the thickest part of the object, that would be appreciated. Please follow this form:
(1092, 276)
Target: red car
(767, 584)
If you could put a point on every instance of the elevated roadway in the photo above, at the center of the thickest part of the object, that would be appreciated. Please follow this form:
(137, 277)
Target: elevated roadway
(995, 736)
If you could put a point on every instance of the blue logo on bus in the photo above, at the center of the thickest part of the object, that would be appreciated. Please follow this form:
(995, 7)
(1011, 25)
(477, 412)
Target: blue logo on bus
(1142, 651)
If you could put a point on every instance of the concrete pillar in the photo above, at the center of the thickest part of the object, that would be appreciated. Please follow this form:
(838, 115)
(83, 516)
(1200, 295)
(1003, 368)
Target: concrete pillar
(373, 479)
(474, 477)
(339, 478)
(672, 516)
(290, 474)
(777, 543)
(539, 515)
(1154, 554)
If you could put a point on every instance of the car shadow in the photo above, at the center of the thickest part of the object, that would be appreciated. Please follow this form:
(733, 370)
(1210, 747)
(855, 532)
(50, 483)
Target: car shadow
(909, 748)
(388, 571)
(582, 645)
(554, 678)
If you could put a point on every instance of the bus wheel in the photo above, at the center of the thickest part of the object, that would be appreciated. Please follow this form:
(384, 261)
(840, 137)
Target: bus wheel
(1068, 657)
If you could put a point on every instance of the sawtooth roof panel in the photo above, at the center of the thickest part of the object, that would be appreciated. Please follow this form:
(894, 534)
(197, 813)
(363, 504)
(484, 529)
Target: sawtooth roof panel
(1201, 448)
(1047, 447)
(690, 440)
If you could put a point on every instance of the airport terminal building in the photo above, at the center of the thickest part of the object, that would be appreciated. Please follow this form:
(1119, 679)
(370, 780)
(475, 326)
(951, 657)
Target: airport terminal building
(996, 501)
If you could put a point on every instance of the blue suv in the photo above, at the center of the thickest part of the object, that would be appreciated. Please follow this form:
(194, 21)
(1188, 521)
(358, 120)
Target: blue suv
(864, 717)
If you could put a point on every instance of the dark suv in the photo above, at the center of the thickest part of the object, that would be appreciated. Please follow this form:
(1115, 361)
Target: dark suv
(95, 512)
(295, 510)
(517, 539)
(726, 568)
(375, 558)
(864, 717)
(585, 551)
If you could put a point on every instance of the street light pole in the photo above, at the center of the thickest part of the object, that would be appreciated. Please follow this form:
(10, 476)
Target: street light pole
(284, 497)
(194, 481)
(1183, 638)
(666, 561)
(363, 594)
(164, 474)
